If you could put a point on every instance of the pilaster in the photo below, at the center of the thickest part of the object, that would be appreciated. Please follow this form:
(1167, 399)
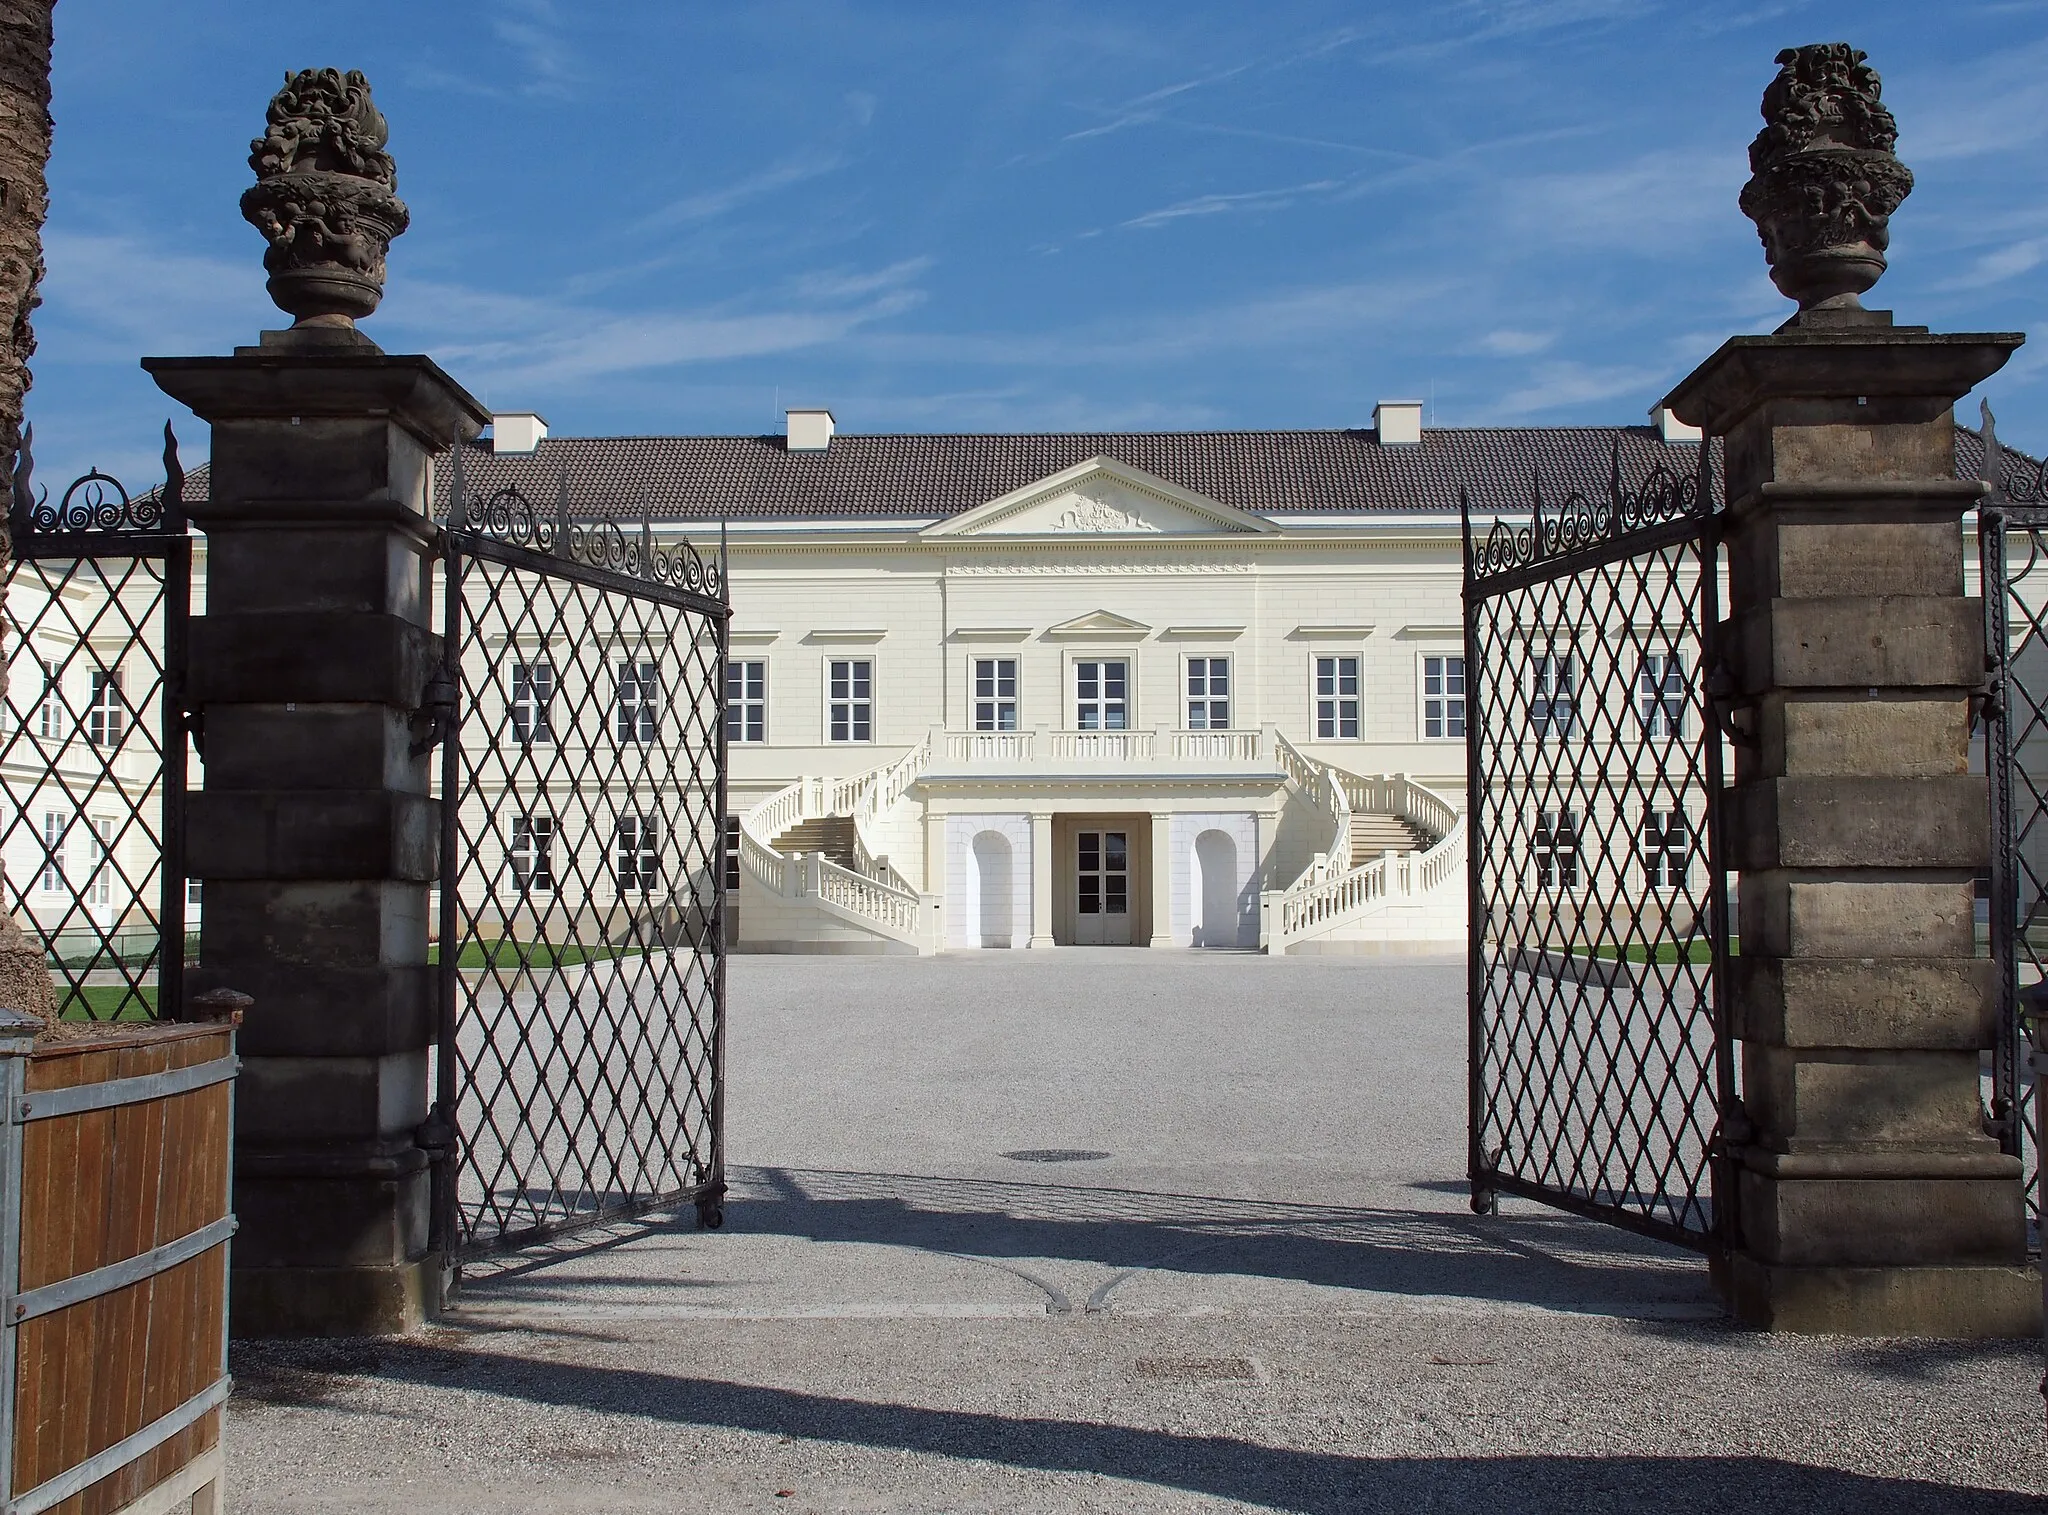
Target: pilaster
(1162, 878)
(1043, 867)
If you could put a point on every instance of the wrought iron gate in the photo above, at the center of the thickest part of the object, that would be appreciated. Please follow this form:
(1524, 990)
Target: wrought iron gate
(1601, 1059)
(2012, 544)
(99, 596)
(581, 941)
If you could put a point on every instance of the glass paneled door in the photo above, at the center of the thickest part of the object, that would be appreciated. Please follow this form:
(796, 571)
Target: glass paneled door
(1102, 889)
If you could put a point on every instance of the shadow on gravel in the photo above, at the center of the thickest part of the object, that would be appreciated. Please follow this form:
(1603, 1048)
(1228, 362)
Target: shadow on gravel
(1553, 1260)
(1313, 1483)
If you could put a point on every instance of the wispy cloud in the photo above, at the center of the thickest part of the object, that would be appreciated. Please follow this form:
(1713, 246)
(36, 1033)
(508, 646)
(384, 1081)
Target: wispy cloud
(1509, 343)
(1233, 204)
(709, 204)
(529, 342)
(1305, 317)
(1995, 267)
(1646, 203)
(1991, 105)
(534, 32)
(1565, 385)
(1149, 106)
(113, 297)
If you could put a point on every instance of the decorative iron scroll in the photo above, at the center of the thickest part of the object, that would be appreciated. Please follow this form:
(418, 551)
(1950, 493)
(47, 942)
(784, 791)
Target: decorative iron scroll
(2015, 478)
(96, 501)
(1577, 524)
(592, 539)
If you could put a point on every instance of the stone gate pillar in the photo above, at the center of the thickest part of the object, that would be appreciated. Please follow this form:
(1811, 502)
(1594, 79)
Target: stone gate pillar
(1870, 1198)
(314, 832)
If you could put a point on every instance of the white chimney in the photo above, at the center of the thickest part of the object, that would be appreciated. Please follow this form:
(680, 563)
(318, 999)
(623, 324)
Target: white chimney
(809, 430)
(1671, 429)
(1399, 422)
(517, 431)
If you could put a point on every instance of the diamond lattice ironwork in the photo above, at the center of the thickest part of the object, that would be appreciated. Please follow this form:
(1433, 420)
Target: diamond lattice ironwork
(94, 747)
(1600, 1061)
(582, 909)
(2013, 546)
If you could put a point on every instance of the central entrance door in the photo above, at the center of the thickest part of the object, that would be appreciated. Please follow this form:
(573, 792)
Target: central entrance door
(1102, 889)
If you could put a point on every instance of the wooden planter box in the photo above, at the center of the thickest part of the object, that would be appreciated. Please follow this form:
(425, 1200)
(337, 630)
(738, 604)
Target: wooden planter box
(114, 1230)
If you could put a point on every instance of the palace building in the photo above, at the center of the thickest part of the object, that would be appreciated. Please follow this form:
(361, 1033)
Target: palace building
(1198, 689)
(1189, 689)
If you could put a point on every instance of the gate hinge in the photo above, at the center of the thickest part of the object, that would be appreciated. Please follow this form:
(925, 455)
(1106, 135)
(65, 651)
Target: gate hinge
(437, 708)
(1722, 702)
(1987, 704)
(1737, 1129)
(436, 1135)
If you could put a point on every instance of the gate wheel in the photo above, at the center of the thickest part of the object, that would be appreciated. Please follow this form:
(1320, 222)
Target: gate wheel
(710, 1216)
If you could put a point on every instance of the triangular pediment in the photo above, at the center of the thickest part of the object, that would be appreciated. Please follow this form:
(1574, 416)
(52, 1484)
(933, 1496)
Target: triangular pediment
(1103, 497)
(1099, 623)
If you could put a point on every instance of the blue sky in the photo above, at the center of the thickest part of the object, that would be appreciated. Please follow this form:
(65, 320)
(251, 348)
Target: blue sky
(679, 217)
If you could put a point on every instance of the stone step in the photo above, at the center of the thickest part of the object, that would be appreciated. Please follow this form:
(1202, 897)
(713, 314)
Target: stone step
(1373, 834)
(829, 834)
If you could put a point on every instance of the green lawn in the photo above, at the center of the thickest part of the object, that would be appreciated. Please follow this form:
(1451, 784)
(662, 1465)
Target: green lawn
(107, 1002)
(1696, 949)
(507, 953)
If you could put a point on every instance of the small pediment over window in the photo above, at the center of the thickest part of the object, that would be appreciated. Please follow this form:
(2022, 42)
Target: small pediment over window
(1100, 623)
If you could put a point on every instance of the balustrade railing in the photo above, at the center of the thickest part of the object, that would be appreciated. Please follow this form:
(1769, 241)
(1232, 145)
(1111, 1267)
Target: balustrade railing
(1217, 746)
(989, 746)
(894, 909)
(1102, 746)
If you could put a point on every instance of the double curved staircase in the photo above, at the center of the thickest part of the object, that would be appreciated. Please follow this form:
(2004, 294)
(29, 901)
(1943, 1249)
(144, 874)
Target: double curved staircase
(1391, 866)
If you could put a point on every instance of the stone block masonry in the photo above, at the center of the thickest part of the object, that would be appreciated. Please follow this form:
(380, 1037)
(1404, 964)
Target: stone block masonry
(1870, 1198)
(316, 832)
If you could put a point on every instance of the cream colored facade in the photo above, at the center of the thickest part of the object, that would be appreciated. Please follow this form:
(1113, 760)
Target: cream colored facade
(1272, 706)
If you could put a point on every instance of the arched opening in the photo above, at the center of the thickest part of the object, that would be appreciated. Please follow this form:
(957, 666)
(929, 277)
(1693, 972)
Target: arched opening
(992, 880)
(1215, 890)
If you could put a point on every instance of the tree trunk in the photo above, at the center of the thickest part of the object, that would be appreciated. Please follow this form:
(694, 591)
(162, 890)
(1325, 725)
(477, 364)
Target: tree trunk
(24, 201)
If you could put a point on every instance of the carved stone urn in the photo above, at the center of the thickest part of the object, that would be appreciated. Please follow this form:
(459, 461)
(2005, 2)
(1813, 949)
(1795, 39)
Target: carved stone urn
(1824, 180)
(325, 197)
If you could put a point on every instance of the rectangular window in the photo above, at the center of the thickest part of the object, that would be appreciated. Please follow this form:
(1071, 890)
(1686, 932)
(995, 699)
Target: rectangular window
(1443, 699)
(533, 853)
(732, 854)
(1660, 694)
(1208, 694)
(1666, 847)
(54, 830)
(850, 700)
(638, 853)
(50, 723)
(1557, 849)
(1336, 698)
(995, 694)
(99, 841)
(533, 701)
(746, 701)
(1553, 711)
(106, 717)
(639, 704)
(193, 892)
(1102, 695)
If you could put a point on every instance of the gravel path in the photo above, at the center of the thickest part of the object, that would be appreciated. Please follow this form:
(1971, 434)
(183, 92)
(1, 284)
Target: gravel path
(1265, 1293)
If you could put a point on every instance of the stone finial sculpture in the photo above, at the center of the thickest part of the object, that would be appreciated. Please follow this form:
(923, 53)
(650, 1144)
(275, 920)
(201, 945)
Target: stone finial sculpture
(1824, 179)
(324, 197)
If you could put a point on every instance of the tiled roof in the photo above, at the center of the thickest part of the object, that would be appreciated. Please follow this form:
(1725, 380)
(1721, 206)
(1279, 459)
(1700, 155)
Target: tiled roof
(922, 476)
(913, 476)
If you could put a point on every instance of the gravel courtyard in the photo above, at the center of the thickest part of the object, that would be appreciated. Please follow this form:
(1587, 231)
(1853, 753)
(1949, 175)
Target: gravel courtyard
(1252, 1283)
